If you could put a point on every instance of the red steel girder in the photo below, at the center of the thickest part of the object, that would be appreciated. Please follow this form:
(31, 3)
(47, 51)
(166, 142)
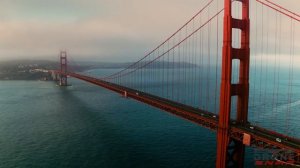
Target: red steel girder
(260, 138)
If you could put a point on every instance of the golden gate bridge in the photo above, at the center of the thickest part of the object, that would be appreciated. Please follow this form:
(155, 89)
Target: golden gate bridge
(209, 72)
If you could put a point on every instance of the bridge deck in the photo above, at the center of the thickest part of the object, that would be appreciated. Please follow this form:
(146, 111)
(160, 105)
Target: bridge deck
(260, 137)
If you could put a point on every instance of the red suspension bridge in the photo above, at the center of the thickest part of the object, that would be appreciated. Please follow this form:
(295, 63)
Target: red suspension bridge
(205, 73)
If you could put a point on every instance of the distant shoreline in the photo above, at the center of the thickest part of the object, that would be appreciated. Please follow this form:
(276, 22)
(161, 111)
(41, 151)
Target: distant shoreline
(26, 69)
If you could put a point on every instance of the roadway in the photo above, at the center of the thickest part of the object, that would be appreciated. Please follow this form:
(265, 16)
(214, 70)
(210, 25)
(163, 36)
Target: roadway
(260, 137)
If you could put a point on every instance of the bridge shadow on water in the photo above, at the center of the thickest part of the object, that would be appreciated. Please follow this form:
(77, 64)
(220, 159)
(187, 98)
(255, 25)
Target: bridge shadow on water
(108, 147)
(100, 140)
(110, 131)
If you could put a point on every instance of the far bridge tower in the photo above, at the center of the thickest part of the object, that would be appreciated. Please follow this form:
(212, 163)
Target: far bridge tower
(63, 81)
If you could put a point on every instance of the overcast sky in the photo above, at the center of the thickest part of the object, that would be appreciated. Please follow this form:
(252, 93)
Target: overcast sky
(105, 30)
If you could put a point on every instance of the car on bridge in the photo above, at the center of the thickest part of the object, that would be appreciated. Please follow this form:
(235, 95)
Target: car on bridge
(278, 140)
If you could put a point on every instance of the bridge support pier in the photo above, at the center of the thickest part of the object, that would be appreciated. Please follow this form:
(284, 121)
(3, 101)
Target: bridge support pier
(55, 77)
(230, 153)
(63, 79)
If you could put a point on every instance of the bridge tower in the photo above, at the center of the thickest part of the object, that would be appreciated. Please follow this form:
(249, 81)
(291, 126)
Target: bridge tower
(230, 153)
(63, 68)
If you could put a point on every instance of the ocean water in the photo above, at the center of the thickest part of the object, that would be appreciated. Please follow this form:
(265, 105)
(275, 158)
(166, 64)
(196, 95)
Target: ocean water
(44, 125)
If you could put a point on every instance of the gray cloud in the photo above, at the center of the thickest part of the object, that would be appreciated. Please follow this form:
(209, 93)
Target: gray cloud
(107, 30)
